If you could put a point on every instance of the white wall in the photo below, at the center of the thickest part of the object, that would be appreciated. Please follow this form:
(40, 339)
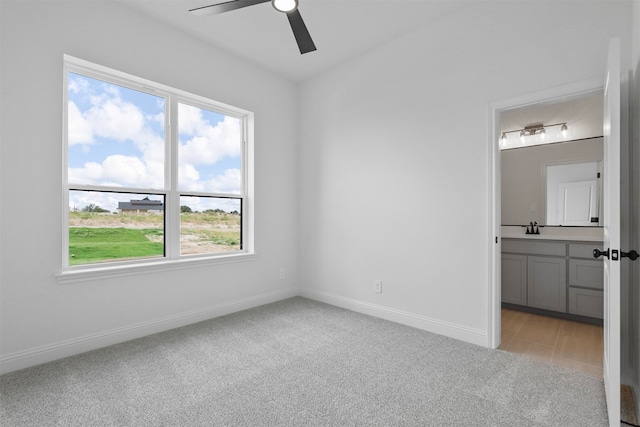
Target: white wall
(394, 178)
(41, 319)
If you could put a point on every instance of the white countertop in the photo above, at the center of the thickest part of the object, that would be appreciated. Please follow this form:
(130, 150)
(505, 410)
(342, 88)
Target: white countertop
(581, 234)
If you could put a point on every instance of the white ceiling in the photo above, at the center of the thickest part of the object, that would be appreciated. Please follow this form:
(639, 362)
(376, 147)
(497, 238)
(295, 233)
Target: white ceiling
(341, 29)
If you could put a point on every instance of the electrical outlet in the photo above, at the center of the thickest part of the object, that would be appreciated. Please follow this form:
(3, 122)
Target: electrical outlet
(282, 275)
(377, 286)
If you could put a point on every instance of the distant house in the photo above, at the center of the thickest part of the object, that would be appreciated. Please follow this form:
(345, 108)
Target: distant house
(143, 205)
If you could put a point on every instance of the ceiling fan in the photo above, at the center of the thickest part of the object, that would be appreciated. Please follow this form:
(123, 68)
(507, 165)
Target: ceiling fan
(290, 7)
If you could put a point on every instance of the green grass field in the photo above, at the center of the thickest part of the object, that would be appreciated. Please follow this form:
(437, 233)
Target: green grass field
(102, 237)
(90, 245)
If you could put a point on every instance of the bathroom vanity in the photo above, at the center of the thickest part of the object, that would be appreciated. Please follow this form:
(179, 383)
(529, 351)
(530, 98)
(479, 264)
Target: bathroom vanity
(553, 273)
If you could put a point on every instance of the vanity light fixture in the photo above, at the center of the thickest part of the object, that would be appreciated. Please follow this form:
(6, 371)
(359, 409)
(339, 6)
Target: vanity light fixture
(534, 129)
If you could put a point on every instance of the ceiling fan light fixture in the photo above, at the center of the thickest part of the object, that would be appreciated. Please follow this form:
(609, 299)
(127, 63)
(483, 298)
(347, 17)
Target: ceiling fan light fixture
(284, 6)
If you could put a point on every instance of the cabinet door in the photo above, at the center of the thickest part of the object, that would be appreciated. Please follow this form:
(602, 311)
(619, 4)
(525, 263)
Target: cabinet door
(586, 302)
(547, 283)
(514, 279)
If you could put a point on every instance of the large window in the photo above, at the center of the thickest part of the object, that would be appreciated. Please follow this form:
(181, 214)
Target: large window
(151, 173)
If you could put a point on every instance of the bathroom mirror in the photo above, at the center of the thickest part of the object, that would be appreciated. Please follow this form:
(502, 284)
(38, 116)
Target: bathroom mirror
(573, 194)
(526, 195)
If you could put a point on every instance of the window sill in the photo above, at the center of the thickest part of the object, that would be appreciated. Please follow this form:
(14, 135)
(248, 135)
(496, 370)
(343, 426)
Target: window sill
(109, 272)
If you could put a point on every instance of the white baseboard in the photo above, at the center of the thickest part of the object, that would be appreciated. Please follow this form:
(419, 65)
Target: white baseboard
(36, 356)
(451, 330)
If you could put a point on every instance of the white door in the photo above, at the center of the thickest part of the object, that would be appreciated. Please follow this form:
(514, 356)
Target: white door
(577, 202)
(612, 129)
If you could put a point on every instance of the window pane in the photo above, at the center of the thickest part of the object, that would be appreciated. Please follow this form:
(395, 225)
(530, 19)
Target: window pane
(106, 226)
(210, 151)
(210, 225)
(116, 135)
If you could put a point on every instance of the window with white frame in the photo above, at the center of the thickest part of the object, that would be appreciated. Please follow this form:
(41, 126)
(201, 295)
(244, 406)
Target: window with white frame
(151, 173)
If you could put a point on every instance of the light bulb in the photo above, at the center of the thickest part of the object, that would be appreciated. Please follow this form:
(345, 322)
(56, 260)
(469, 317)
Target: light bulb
(563, 130)
(285, 6)
(503, 138)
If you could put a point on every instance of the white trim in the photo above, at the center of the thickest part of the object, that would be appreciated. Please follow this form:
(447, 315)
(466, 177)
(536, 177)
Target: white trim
(559, 93)
(451, 330)
(55, 351)
(495, 239)
(160, 266)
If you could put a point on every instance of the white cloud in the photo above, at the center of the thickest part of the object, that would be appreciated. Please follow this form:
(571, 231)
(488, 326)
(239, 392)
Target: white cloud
(189, 178)
(78, 85)
(208, 144)
(80, 130)
(91, 173)
(229, 182)
(120, 171)
(114, 119)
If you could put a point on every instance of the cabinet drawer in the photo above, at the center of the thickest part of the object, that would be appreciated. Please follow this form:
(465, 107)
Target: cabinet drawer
(586, 302)
(534, 247)
(583, 250)
(586, 273)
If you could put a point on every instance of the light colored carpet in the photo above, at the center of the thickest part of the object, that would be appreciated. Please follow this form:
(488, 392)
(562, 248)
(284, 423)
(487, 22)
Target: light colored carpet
(299, 363)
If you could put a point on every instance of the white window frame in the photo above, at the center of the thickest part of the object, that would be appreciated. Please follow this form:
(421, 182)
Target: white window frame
(172, 258)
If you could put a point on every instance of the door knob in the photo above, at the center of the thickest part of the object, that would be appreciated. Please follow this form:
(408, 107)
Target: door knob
(632, 255)
(597, 253)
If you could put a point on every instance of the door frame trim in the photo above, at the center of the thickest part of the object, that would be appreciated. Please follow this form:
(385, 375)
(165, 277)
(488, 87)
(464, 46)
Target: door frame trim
(560, 93)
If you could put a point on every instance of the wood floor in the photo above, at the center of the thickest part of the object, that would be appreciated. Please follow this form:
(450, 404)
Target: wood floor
(559, 342)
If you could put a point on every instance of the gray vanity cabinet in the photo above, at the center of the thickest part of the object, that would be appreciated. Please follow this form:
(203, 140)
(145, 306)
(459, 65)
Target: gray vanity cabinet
(560, 276)
(534, 274)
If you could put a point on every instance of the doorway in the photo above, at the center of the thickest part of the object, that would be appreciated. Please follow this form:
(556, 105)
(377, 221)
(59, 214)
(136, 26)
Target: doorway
(551, 339)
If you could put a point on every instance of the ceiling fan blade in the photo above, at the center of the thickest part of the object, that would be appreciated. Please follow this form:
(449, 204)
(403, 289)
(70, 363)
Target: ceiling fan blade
(227, 6)
(305, 44)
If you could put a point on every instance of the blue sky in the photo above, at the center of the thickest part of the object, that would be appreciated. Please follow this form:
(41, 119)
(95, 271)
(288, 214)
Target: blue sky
(117, 138)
